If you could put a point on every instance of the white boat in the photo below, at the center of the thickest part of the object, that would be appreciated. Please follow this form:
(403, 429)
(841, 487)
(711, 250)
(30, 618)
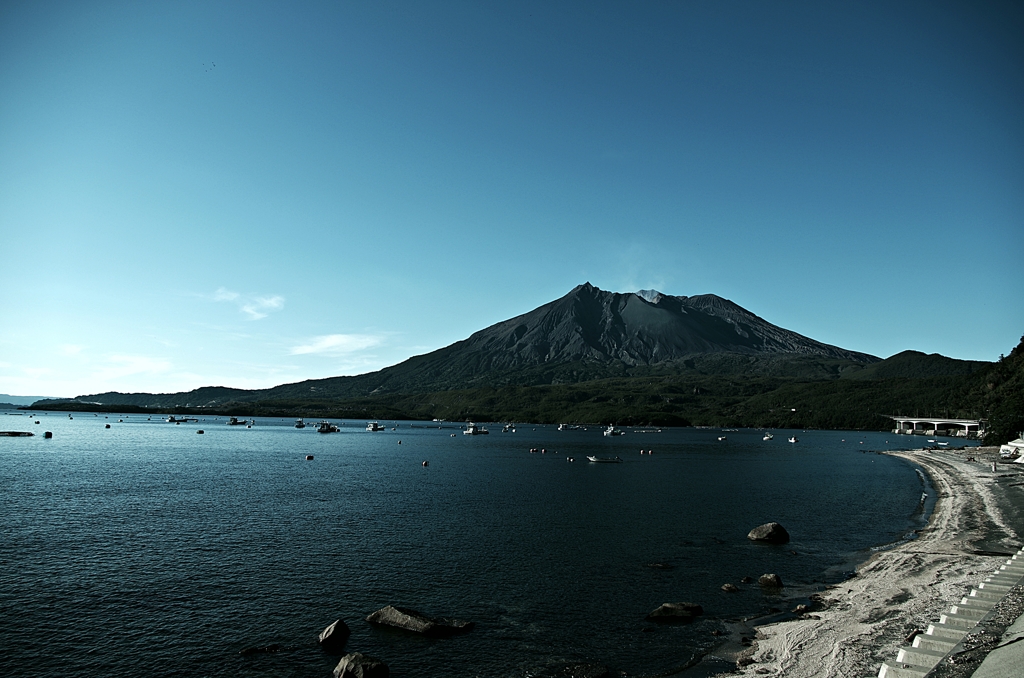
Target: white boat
(474, 430)
(509, 428)
(612, 431)
(767, 436)
(326, 427)
(235, 421)
(721, 437)
(300, 424)
(374, 426)
(180, 420)
(793, 439)
(604, 460)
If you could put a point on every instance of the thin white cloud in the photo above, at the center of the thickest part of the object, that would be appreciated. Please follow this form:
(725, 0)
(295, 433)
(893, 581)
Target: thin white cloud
(261, 306)
(336, 344)
(256, 307)
(70, 349)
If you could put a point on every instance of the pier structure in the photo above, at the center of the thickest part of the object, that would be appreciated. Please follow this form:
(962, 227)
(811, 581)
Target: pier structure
(935, 426)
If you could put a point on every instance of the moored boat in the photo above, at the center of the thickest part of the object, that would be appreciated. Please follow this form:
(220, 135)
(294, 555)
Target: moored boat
(767, 435)
(604, 460)
(612, 431)
(235, 421)
(474, 430)
(300, 424)
(793, 439)
(374, 426)
(326, 427)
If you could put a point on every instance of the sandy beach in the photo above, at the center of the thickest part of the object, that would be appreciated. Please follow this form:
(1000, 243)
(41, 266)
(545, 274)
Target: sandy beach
(864, 621)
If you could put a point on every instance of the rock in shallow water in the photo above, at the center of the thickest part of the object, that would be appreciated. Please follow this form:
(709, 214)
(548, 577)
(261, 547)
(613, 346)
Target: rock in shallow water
(771, 581)
(332, 639)
(416, 622)
(770, 533)
(359, 665)
(675, 612)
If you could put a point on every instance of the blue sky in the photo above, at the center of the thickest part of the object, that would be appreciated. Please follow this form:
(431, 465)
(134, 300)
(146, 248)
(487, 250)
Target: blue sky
(248, 194)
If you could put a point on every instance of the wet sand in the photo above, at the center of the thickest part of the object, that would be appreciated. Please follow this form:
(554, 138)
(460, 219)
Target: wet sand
(864, 621)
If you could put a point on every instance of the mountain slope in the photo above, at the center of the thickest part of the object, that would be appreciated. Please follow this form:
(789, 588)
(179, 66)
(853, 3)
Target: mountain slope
(587, 334)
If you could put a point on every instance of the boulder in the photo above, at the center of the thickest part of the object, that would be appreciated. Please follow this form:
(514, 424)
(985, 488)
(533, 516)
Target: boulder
(359, 665)
(332, 639)
(771, 581)
(801, 609)
(676, 612)
(730, 588)
(770, 533)
(416, 622)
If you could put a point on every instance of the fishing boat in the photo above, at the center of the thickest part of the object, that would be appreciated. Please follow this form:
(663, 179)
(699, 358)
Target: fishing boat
(374, 426)
(508, 428)
(474, 430)
(612, 431)
(300, 424)
(793, 439)
(721, 438)
(767, 436)
(604, 460)
(180, 420)
(326, 427)
(235, 421)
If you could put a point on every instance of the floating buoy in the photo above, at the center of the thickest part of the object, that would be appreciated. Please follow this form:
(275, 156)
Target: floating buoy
(200, 431)
(426, 463)
(309, 457)
(48, 434)
(399, 442)
(885, 441)
(569, 459)
(543, 450)
(107, 426)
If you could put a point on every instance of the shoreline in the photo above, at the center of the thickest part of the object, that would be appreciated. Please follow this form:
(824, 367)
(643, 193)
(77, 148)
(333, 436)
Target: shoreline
(861, 622)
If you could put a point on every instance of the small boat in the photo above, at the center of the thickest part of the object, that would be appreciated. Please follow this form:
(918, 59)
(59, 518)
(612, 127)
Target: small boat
(604, 460)
(509, 428)
(721, 438)
(793, 439)
(300, 424)
(326, 427)
(474, 430)
(235, 421)
(180, 420)
(943, 443)
(612, 431)
(767, 436)
(374, 426)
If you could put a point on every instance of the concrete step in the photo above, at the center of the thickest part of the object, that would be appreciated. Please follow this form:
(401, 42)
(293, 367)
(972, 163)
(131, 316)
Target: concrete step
(895, 670)
(945, 632)
(994, 586)
(977, 604)
(959, 621)
(927, 642)
(919, 656)
(969, 612)
(983, 594)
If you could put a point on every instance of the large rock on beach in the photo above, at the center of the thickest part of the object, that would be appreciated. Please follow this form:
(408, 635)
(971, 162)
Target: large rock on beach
(359, 665)
(770, 581)
(675, 612)
(769, 533)
(332, 639)
(417, 622)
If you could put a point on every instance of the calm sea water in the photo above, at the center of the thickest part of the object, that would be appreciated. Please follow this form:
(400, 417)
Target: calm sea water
(146, 549)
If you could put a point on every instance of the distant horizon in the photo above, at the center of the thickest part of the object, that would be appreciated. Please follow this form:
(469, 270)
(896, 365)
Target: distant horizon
(255, 194)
